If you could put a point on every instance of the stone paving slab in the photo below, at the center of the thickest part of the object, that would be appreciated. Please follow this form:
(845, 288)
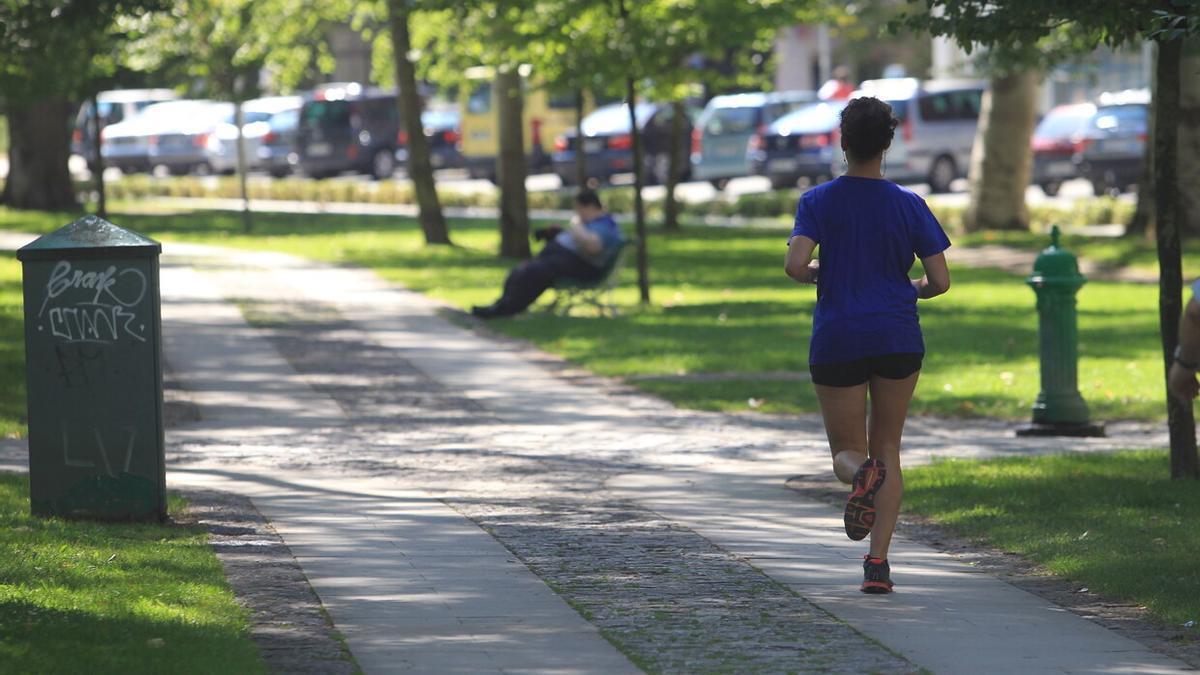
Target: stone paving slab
(943, 615)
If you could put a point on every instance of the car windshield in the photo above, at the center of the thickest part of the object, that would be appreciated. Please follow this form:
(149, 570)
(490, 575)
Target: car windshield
(1120, 119)
(325, 115)
(1064, 122)
(811, 118)
(284, 121)
(615, 119)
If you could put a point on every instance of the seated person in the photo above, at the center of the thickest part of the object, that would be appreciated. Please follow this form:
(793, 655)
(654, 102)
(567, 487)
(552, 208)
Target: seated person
(580, 251)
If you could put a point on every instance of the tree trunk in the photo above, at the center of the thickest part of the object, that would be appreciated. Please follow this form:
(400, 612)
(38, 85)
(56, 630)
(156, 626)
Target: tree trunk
(1001, 160)
(98, 160)
(580, 157)
(1180, 422)
(674, 166)
(639, 180)
(511, 166)
(38, 153)
(239, 121)
(1189, 137)
(420, 168)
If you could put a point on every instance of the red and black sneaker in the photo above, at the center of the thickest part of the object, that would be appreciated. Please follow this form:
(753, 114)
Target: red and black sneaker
(877, 576)
(860, 507)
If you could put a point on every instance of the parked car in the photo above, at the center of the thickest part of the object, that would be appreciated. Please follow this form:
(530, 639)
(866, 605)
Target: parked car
(608, 144)
(1113, 146)
(1055, 143)
(726, 125)
(276, 153)
(938, 119)
(173, 134)
(799, 145)
(256, 115)
(444, 131)
(346, 127)
(115, 106)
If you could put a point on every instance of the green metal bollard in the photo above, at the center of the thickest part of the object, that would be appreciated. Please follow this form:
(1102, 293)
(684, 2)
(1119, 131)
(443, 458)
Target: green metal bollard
(1059, 409)
(93, 353)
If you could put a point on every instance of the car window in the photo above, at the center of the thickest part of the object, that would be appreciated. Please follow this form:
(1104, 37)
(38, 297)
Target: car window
(950, 106)
(285, 120)
(325, 115)
(1124, 119)
(812, 117)
(732, 121)
(615, 119)
(480, 100)
(899, 109)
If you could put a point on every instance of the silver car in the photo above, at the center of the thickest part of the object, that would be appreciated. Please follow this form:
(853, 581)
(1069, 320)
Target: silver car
(938, 119)
(174, 134)
(256, 118)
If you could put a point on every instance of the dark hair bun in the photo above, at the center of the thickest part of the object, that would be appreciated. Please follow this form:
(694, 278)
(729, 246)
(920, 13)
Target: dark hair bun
(867, 127)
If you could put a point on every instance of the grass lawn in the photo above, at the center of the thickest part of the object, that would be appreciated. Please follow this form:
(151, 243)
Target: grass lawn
(723, 305)
(12, 350)
(90, 597)
(1113, 523)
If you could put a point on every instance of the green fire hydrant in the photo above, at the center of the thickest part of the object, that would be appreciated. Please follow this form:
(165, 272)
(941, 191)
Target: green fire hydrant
(1059, 409)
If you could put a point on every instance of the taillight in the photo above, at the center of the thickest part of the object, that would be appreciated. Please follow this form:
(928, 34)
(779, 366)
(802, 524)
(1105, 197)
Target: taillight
(450, 136)
(270, 137)
(907, 130)
(560, 144)
(352, 151)
(815, 140)
(152, 140)
(1082, 144)
(620, 142)
(77, 136)
(697, 141)
(200, 140)
(402, 137)
(1142, 137)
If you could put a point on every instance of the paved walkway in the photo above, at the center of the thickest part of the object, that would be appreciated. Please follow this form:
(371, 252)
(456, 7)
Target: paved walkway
(460, 506)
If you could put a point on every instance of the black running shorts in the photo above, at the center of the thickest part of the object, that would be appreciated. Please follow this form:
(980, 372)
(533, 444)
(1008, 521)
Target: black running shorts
(854, 373)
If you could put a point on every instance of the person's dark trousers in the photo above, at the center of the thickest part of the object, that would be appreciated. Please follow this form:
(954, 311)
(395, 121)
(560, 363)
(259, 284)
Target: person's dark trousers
(527, 281)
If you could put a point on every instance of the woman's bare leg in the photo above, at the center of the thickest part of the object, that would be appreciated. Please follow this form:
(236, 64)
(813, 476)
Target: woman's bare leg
(889, 408)
(845, 413)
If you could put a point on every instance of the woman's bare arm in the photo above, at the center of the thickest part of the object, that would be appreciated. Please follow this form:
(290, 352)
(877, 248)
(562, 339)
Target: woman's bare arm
(937, 277)
(799, 255)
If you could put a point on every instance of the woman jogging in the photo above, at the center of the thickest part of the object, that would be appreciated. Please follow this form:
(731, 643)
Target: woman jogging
(866, 338)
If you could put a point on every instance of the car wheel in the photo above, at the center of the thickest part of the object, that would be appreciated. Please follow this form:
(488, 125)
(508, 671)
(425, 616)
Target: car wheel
(942, 174)
(719, 183)
(201, 169)
(1051, 188)
(383, 164)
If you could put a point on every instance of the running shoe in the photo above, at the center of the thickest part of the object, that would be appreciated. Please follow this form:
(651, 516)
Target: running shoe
(860, 507)
(877, 576)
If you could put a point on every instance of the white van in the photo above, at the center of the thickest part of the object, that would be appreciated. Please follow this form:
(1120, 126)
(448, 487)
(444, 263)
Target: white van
(938, 119)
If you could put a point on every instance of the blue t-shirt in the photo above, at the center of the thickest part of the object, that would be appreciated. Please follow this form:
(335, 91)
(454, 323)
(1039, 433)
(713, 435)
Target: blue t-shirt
(870, 232)
(610, 237)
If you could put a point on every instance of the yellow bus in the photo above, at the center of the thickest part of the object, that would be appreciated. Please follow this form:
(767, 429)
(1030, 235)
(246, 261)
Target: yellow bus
(546, 116)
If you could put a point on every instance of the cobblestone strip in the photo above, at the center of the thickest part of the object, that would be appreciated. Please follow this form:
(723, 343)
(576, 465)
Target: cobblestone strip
(670, 599)
(287, 621)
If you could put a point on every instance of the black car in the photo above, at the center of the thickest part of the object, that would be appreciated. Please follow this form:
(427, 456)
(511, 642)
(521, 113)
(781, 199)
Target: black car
(443, 129)
(348, 128)
(608, 145)
(799, 145)
(1113, 147)
(1055, 143)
